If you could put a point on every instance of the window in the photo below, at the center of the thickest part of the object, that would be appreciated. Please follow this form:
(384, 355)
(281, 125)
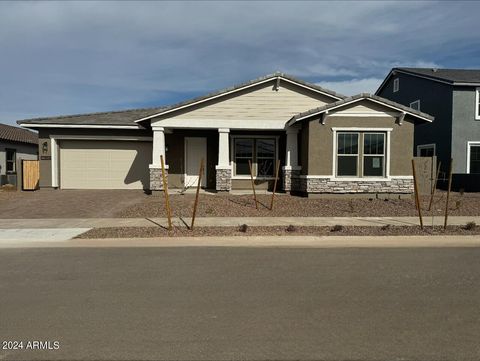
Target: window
(415, 105)
(347, 154)
(426, 150)
(473, 156)
(477, 104)
(396, 85)
(371, 156)
(260, 151)
(11, 160)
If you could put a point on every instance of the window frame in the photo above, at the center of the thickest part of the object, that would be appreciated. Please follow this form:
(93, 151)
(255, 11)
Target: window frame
(234, 159)
(14, 161)
(477, 103)
(233, 139)
(416, 101)
(426, 146)
(396, 85)
(383, 155)
(357, 155)
(469, 146)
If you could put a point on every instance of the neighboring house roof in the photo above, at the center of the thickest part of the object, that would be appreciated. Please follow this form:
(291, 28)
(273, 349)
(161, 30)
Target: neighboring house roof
(118, 119)
(357, 98)
(15, 134)
(236, 88)
(449, 76)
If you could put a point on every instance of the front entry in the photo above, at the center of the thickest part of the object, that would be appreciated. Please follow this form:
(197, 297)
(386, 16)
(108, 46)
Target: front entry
(195, 150)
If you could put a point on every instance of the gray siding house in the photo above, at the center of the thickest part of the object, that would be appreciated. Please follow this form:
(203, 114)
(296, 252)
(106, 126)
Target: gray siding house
(324, 141)
(15, 144)
(452, 97)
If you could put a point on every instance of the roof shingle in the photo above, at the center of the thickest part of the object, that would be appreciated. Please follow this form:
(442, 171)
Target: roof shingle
(15, 134)
(449, 75)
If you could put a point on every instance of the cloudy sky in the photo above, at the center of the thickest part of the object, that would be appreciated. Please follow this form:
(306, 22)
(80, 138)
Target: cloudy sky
(79, 57)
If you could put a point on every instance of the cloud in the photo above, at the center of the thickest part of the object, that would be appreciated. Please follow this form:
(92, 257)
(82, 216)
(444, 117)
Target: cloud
(353, 86)
(73, 57)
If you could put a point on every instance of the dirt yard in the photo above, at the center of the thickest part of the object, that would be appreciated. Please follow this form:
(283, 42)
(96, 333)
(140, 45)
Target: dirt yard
(286, 205)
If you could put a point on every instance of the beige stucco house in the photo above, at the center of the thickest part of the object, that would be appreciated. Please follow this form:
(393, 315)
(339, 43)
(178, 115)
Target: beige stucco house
(325, 142)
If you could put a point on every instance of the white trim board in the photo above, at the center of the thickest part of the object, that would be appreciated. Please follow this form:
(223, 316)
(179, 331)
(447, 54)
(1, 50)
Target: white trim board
(477, 103)
(469, 145)
(100, 137)
(241, 124)
(85, 126)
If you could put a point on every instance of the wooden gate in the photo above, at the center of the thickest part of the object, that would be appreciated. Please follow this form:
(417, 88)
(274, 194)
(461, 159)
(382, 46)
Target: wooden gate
(30, 174)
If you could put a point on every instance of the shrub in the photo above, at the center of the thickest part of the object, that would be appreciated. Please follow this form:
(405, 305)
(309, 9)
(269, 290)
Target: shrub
(243, 228)
(470, 226)
(337, 228)
(291, 228)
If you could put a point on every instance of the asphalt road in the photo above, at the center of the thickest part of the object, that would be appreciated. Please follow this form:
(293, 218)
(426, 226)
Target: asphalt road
(242, 303)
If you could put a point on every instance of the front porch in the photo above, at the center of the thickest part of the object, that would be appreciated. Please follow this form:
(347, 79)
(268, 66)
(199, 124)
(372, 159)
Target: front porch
(226, 153)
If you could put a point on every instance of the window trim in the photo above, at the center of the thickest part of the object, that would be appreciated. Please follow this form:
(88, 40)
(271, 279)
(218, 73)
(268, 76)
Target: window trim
(477, 103)
(396, 85)
(9, 161)
(416, 101)
(254, 137)
(348, 155)
(383, 155)
(469, 146)
(387, 132)
(426, 146)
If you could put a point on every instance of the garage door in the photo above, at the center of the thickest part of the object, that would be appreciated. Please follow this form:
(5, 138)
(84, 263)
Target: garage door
(95, 164)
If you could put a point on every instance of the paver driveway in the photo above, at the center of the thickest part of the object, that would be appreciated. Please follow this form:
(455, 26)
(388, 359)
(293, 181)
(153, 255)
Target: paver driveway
(67, 203)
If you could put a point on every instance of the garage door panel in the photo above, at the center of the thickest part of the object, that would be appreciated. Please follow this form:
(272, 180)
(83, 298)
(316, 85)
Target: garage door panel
(97, 164)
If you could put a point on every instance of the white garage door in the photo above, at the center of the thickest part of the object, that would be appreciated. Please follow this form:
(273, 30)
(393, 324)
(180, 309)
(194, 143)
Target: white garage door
(95, 164)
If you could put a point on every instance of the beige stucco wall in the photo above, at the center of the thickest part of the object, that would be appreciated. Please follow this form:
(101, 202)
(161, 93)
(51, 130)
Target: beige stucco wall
(320, 143)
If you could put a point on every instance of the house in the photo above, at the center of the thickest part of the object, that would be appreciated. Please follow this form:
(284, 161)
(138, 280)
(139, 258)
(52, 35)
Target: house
(15, 144)
(326, 142)
(452, 97)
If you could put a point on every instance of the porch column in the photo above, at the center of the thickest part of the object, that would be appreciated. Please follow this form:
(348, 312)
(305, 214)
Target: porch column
(158, 149)
(223, 168)
(291, 170)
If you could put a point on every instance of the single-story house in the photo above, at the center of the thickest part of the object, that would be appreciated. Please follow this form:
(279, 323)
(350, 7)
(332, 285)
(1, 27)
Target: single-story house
(15, 144)
(326, 142)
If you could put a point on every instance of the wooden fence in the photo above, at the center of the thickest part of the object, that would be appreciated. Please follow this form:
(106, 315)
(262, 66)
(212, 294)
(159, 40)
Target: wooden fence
(30, 174)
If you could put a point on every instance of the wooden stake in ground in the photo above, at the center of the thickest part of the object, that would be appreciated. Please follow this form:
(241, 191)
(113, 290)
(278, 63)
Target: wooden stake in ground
(448, 193)
(277, 169)
(165, 192)
(253, 183)
(417, 199)
(200, 173)
(434, 186)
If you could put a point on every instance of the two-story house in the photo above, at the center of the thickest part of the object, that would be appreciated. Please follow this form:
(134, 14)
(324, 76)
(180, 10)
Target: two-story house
(452, 97)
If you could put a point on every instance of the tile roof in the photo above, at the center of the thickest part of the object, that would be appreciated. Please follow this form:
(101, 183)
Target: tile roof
(449, 75)
(15, 134)
(361, 96)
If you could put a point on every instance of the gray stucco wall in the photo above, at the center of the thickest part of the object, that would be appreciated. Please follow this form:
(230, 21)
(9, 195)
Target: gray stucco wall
(435, 99)
(24, 151)
(465, 126)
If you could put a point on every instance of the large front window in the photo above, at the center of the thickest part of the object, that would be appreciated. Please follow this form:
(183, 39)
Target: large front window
(261, 152)
(365, 161)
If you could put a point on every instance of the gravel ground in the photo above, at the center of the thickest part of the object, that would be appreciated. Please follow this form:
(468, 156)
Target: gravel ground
(148, 232)
(286, 205)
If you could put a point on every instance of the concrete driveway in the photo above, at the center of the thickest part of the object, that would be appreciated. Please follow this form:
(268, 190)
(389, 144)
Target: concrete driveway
(46, 203)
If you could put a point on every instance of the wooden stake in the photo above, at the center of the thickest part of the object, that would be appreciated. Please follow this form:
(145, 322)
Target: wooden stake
(165, 192)
(200, 173)
(275, 183)
(417, 199)
(253, 184)
(434, 186)
(448, 193)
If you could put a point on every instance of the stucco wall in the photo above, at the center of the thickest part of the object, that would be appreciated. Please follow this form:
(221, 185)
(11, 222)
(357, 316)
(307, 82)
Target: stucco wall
(320, 143)
(23, 151)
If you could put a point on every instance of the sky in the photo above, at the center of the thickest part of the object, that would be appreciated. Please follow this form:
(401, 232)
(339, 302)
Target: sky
(60, 58)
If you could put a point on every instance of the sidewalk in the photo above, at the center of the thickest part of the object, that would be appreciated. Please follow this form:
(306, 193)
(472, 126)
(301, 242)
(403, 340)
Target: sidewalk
(85, 223)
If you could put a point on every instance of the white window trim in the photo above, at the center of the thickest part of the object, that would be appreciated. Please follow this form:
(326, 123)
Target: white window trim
(426, 146)
(246, 136)
(469, 145)
(477, 105)
(372, 130)
(396, 85)
(416, 101)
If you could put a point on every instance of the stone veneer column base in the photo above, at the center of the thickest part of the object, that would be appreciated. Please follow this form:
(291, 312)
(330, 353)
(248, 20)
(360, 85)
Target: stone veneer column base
(326, 185)
(223, 178)
(291, 178)
(156, 182)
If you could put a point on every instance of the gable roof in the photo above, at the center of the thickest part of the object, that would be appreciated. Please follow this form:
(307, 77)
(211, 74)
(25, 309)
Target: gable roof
(239, 87)
(114, 119)
(15, 134)
(357, 98)
(448, 76)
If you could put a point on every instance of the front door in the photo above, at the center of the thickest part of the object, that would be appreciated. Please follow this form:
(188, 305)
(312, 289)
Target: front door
(195, 150)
